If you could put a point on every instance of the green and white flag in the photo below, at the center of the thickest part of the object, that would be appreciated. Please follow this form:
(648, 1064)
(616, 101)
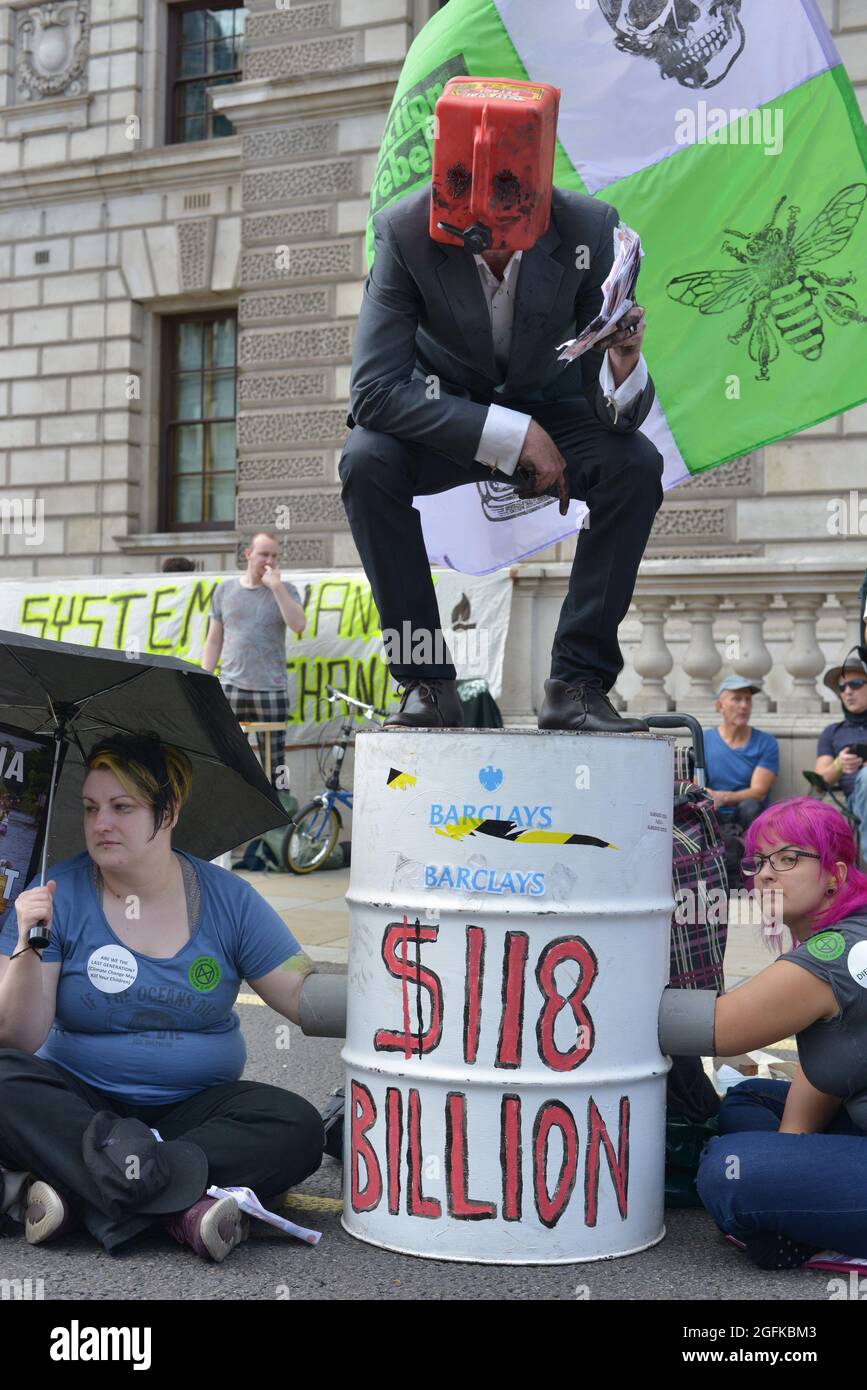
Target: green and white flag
(726, 132)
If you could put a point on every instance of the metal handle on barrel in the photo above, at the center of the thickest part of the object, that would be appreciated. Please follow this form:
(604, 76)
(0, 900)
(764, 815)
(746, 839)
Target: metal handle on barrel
(322, 1005)
(683, 721)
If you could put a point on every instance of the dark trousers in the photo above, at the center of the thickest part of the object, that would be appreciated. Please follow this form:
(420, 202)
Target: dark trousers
(746, 811)
(732, 829)
(619, 477)
(254, 1136)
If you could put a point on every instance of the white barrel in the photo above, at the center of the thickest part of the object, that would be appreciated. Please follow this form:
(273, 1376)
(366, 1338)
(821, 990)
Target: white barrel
(510, 901)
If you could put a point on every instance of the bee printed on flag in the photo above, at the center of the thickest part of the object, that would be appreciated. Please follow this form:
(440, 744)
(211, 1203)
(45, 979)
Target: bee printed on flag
(779, 281)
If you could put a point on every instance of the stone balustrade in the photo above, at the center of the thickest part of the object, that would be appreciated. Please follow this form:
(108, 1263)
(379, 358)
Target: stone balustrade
(694, 621)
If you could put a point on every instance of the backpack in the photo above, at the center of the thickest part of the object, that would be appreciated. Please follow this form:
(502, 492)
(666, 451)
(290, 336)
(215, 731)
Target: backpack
(265, 852)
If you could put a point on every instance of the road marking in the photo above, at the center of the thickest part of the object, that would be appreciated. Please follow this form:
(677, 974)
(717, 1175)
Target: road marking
(307, 1202)
(250, 999)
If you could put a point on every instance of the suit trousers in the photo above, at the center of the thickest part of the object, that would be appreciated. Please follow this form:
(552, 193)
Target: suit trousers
(254, 1135)
(617, 473)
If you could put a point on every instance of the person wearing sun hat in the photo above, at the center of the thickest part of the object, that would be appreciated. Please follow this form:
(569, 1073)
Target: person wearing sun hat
(838, 760)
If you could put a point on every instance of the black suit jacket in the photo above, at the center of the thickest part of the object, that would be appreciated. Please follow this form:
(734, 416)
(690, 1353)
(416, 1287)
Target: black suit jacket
(424, 316)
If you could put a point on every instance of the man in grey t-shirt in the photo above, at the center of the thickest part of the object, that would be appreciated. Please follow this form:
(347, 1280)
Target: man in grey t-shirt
(249, 617)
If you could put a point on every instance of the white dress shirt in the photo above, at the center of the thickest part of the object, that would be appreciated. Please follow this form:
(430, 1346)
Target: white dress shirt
(505, 429)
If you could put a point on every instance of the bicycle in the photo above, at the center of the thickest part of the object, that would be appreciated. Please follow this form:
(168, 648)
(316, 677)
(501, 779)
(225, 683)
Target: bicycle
(313, 834)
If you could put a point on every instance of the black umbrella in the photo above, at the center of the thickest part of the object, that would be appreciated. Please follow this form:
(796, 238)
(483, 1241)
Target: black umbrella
(81, 695)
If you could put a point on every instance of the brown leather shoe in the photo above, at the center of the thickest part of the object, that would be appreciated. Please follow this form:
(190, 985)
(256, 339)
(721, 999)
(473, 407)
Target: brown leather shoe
(583, 706)
(428, 704)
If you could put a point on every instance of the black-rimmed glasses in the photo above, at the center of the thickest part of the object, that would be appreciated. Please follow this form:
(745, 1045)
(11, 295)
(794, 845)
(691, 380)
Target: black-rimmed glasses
(780, 861)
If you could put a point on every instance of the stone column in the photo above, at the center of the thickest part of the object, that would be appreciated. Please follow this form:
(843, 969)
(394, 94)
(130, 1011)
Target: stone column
(754, 661)
(803, 657)
(701, 660)
(854, 625)
(652, 659)
(516, 701)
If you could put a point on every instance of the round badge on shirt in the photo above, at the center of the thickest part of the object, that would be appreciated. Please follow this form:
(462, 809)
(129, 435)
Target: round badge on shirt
(828, 945)
(112, 969)
(857, 963)
(204, 974)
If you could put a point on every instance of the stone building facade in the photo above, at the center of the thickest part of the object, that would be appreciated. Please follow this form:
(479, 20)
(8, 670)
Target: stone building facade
(110, 230)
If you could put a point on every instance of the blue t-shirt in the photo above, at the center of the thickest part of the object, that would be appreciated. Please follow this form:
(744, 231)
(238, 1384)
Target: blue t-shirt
(151, 1031)
(731, 769)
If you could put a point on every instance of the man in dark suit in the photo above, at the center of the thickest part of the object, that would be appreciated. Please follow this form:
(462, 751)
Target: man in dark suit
(455, 379)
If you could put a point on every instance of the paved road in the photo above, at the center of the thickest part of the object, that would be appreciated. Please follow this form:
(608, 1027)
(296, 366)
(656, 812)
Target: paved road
(692, 1262)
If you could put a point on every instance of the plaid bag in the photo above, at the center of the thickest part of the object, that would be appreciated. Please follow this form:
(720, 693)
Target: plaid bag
(696, 962)
(699, 879)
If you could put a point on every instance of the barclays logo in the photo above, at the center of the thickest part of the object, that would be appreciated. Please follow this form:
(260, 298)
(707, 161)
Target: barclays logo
(490, 777)
(462, 878)
(525, 817)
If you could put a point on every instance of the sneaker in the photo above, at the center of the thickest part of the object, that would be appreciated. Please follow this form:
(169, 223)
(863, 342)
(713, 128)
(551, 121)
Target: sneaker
(47, 1215)
(212, 1227)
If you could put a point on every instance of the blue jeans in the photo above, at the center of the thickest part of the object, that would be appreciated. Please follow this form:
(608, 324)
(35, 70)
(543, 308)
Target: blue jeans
(809, 1187)
(858, 799)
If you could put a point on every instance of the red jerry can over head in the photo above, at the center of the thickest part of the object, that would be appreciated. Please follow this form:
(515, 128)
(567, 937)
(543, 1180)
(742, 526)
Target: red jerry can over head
(493, 163)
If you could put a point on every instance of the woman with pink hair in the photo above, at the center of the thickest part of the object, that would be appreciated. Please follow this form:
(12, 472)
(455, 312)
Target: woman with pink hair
(787, 1175)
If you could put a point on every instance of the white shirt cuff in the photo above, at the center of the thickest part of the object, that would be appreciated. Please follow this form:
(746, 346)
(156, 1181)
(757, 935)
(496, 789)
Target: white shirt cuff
(503, 438)
(626, 392)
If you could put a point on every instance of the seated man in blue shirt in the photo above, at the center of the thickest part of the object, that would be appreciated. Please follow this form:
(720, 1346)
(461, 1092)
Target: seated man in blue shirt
(742, 763)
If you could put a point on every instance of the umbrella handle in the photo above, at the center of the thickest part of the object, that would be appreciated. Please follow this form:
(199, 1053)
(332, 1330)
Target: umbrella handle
(39, 936)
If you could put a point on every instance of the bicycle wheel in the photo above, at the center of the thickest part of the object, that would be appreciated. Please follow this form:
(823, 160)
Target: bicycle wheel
(311, 838)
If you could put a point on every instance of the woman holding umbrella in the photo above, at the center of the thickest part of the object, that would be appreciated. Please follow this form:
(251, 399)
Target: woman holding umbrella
(126, 1025)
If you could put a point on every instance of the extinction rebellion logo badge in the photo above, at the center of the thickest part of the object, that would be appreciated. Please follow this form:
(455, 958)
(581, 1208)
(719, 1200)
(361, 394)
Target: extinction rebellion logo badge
(204, 974)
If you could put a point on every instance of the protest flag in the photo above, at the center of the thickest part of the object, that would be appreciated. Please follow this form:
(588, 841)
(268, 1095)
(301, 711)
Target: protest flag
(727, 133)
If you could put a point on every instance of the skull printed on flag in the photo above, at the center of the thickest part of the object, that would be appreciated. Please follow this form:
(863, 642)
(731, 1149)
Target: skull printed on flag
(694, 41)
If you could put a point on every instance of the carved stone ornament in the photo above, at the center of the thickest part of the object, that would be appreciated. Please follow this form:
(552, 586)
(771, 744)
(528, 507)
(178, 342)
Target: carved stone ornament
(52, 49)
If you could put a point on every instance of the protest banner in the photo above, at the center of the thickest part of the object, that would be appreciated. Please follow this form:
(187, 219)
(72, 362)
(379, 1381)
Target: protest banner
(341, 645)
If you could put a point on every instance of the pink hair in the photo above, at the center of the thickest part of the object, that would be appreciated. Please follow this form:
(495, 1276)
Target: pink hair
(817, 826)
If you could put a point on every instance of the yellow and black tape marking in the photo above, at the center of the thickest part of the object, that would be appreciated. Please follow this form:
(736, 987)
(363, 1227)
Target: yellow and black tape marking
(508, 830)
(399, 781)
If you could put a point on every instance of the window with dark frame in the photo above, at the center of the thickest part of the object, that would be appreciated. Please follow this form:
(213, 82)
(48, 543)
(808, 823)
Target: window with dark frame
(199, 392)
(205, 50)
